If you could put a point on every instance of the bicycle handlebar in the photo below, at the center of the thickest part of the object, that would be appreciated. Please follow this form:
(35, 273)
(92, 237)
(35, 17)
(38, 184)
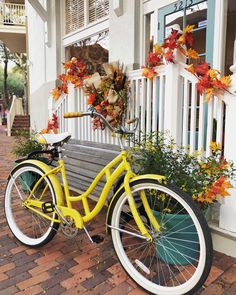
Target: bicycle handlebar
(94, 113)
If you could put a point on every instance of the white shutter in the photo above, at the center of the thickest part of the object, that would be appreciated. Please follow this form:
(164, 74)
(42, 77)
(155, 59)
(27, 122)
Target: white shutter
(98, 9)
(75, 12)
(74, 15)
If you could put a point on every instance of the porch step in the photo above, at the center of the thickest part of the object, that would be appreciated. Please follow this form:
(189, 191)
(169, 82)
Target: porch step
(223, 241)
(20, 124)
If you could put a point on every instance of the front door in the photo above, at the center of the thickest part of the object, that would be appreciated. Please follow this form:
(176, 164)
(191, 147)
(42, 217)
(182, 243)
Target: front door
(190, 12)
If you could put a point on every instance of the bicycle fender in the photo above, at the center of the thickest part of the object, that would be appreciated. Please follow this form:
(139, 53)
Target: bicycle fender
(156, 177)
(53, 178)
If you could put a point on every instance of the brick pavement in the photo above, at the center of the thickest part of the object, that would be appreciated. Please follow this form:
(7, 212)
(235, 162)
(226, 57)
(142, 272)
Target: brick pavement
(75, 266)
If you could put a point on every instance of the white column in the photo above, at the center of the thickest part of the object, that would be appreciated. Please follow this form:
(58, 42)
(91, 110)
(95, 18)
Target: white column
(172, 113)
(220, 25)
(228, 209)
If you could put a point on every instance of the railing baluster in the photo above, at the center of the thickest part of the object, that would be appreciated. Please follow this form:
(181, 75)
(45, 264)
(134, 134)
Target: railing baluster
(201, 124)
(193, 118)
(161, 103)
(154, 104)
(209, 126)
(185, 114)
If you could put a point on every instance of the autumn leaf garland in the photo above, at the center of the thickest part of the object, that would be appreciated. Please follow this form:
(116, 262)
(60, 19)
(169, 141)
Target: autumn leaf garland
(210, 81)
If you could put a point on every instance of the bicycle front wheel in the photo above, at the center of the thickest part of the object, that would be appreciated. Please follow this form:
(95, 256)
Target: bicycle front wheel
(28, 226)
(178, 258)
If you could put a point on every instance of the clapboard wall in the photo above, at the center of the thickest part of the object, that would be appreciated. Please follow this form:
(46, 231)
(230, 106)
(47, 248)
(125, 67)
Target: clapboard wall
(84, 159)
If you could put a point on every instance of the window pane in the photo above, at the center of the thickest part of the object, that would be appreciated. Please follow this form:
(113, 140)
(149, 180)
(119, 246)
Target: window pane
(93, 51)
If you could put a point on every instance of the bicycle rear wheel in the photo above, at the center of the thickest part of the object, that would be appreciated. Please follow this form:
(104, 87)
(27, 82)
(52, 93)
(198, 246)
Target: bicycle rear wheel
(178, 259)
(29, 227)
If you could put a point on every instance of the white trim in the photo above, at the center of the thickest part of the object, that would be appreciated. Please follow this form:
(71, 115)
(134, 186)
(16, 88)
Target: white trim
(220, 24)
(81, 34)
(153, 5)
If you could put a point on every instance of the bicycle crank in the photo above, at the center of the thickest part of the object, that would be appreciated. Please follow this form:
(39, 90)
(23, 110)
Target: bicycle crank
(68, 228)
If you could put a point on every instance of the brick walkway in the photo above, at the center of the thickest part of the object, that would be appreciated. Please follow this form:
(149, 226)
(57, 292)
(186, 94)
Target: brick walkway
(75, 266)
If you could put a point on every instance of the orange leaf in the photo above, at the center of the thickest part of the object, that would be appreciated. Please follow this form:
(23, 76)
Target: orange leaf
(189, 28)
(56, 93)
(191, 69)
(192, 54)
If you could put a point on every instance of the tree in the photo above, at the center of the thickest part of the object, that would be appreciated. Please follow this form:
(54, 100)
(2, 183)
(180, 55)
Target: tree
(5, 58)
(20, 61)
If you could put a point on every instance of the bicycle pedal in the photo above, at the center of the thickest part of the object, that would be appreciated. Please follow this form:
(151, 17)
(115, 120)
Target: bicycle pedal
(48, 207)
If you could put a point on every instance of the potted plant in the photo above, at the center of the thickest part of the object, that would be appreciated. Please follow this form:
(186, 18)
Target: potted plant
(205, 179)
(26, 145)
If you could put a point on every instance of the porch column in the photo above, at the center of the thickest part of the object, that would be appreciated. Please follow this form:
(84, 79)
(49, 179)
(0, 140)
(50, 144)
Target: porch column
(228, 209)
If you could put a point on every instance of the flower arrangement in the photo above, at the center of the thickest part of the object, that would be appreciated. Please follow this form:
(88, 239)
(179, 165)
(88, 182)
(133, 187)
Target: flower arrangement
(108, 94)
(52, 126)
(210, 82)
(205, 180)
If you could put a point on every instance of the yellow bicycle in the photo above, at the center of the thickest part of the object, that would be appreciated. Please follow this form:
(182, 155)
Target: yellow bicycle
(160, 237)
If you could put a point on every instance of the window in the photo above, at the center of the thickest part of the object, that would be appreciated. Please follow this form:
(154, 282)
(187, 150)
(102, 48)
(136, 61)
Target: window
(80, 13)
(93, 50)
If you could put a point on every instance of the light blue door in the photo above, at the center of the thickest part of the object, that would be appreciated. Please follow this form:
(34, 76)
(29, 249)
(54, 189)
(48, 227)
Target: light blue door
(191, 12)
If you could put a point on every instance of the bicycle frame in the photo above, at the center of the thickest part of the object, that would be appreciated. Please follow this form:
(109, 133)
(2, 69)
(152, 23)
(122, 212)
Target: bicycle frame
(120, 165)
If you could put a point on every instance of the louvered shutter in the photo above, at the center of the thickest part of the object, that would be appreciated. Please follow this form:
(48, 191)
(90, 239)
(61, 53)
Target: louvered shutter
(98, 9)
(74, 15)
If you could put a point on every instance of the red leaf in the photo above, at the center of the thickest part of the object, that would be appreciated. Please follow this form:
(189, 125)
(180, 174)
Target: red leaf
(202, 68)
(169, 57)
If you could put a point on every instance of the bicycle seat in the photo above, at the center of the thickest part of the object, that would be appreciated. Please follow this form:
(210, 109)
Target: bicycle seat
(53, 138)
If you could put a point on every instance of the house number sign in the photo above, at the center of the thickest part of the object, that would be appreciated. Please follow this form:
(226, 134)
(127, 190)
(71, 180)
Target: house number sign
(183, 4)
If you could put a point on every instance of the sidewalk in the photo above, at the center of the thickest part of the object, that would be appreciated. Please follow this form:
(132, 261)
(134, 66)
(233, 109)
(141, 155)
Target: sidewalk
(75, 266)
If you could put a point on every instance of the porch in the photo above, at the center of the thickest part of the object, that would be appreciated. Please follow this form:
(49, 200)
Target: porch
(169, 102)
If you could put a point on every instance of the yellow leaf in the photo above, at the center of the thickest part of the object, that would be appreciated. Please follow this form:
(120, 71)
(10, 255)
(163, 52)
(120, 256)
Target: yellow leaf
(226, 80)
(209, 93)
(213, 73)
(188, 28)
(181, 40)
(157, 49)
(192, 54)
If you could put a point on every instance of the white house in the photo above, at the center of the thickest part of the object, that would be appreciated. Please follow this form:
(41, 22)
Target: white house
(125, 30)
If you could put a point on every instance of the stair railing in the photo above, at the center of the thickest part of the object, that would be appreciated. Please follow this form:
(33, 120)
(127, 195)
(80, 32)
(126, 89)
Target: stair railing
(16, 109)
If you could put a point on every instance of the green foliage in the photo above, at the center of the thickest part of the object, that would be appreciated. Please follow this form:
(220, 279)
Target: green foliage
(15, 83)
(157, 153)
(25, 144)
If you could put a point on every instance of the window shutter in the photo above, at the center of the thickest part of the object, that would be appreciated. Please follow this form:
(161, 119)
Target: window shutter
(98, 9)
(74, 15)
(75, 12)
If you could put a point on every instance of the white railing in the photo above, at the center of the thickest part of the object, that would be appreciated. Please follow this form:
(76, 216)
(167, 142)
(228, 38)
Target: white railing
(16, 109)
(169, 102)
(12, 14)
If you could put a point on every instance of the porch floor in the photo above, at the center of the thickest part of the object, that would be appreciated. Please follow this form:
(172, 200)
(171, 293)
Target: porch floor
(75, 266)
